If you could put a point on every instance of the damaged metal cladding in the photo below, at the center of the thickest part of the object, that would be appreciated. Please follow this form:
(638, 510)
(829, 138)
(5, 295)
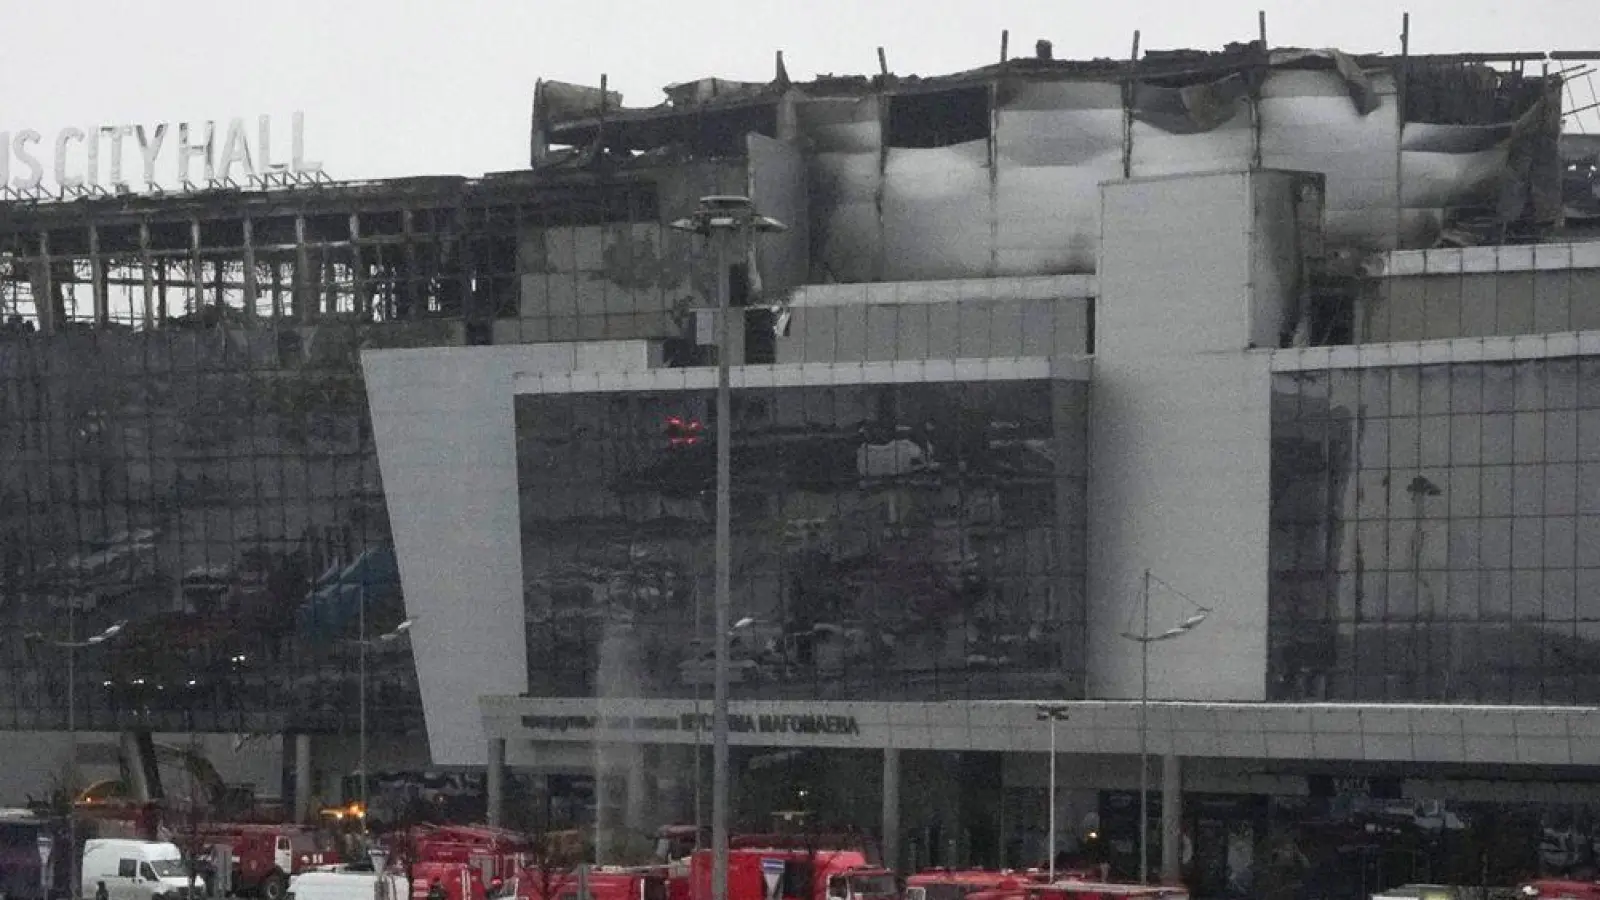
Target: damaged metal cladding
(996, 172)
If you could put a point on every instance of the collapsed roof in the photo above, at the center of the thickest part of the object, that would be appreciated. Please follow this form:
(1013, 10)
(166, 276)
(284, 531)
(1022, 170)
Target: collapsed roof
(996, 170)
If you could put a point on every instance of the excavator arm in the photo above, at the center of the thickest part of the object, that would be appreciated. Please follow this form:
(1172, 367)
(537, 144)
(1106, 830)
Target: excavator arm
(143, 761)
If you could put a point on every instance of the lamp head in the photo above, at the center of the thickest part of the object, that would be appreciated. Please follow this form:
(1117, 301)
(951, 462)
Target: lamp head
(725, 212)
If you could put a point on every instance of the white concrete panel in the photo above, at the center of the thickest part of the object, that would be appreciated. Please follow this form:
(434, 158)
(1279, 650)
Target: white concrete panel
(1041, 287)
(443, 423)
(740, 377)
(1388, 747)
(1180, 278)
(1443, 748)
(1178, 476)
(1178, 484)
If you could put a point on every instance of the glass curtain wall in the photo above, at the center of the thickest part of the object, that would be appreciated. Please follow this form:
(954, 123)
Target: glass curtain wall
(908, 541)
(1436, 533)
(217, 490)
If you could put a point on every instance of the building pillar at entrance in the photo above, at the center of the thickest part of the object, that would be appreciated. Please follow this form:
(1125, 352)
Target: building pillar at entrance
(494, 781)
(302, 777)
(1171, 819)
(891, 807)
(638, 799)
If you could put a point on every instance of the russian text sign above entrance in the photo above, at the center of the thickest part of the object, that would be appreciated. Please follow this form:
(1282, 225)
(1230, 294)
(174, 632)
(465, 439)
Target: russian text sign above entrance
(95, 158)
(1249, 730)
(671, 721)
(781, 723)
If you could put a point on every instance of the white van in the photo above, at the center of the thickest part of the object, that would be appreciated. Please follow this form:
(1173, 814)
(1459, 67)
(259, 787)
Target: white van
(133, 870)
(348, 883)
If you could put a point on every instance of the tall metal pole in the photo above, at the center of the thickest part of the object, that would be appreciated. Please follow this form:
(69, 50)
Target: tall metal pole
(362, 739)
(73, 875)
(699, 735)
(1052, 848)
(1400, 84)
(1144, 737)
(719, 714)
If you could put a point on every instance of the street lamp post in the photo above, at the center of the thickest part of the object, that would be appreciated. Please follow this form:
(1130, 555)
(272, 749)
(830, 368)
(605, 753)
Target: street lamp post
(719, 218)
(72, 647)
(364, 644)
(699, 734)
(1052, 712)
(699, 731)
(1144, 638)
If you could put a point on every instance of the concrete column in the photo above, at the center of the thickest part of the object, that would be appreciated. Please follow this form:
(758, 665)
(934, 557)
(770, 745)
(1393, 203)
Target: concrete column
(638, 802)
(302, 778)
(1171, 819)
(891, 807)
(494, 781)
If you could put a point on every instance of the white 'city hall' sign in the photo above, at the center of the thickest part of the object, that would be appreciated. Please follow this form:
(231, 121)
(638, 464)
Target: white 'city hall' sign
(95, 158)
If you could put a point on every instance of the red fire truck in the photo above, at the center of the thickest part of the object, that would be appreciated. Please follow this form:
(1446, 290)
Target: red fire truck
(958, 884)
(543, 883)
(459, 881)
(489, 855)
(264, 856)
(1075, 889)
(1558, 889)
(787, 873)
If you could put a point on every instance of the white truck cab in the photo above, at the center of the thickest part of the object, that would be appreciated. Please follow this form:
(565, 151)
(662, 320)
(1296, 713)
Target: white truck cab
(133, 870)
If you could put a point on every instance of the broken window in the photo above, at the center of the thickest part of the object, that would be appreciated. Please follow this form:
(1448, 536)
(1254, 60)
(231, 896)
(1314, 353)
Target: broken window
(939, 119)
(723, 134)
(1459, 92)
(582, 205)
(760, 343)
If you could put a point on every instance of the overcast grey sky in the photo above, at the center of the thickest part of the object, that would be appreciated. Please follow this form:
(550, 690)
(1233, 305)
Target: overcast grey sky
(402, 87)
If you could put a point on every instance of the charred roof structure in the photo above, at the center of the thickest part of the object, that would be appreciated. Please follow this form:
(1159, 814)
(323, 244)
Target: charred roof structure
(995, 171)
(386, 251)
(985, 173)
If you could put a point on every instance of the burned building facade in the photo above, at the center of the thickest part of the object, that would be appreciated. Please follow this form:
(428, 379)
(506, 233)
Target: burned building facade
(1045, 345)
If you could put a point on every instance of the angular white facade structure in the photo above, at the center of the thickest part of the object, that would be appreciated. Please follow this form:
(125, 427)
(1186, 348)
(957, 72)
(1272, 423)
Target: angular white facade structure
(909, 587)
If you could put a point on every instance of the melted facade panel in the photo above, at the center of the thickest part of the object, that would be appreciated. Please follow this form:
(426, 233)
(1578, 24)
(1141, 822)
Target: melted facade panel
(777, 176)
(1042, 228)
(1310, 123)
(936, 212)
(1192, 129)
(846, 137)
(1062, 123)
(909, 180)
(1054, 143)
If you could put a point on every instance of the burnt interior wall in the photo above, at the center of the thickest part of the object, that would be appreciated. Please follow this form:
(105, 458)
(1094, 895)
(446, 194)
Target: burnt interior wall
(965, 328)
(625, 276)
